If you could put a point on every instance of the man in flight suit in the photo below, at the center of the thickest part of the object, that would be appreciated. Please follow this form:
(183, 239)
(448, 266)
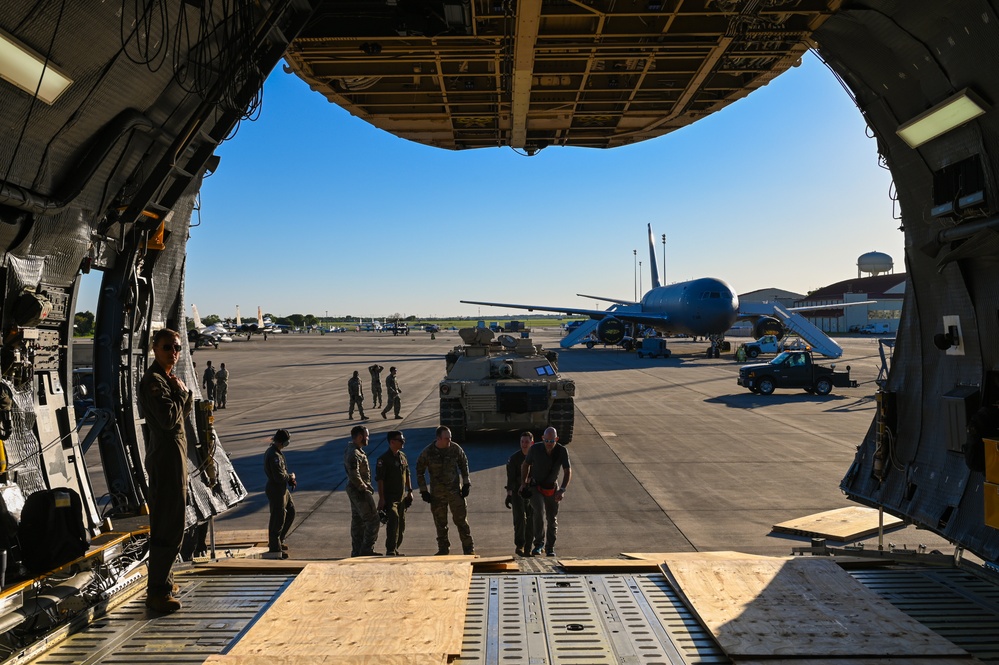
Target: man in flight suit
(356, 392)
(395, 490)
(279, 481)
(376, 384)
(165, 402)
(363, 514)
(523, 514)
(447, 465)
(392, 386)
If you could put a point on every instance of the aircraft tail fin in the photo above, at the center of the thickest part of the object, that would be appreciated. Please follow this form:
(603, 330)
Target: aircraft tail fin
(197, 319)
(239, 321)
(260, 317)
(652, 261)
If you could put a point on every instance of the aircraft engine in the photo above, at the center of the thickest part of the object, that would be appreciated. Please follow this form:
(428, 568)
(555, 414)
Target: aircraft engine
(768, 325)
(610, 331)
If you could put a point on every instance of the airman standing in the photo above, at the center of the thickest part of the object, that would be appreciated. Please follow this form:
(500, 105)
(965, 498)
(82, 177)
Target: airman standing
(395, 490)
(222, 389)
(376, 384)
(539, 474)
(523, 514)
(356, 392)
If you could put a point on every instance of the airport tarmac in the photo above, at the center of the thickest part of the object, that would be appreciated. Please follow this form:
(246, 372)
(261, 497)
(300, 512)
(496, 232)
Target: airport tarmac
(667, 454)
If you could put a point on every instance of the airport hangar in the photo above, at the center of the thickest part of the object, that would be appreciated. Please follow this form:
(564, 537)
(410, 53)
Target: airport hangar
(109, 133)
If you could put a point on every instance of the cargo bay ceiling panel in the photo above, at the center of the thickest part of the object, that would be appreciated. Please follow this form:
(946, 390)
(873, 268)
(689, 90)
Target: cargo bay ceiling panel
(534, 73)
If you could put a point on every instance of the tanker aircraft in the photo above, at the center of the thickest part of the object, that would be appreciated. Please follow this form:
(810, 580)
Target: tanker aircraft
(705, 307)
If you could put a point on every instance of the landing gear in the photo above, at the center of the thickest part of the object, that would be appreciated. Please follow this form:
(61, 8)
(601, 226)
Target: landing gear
(717, 341)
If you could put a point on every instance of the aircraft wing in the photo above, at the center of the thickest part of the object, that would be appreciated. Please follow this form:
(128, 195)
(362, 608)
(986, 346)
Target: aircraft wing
(630, 313)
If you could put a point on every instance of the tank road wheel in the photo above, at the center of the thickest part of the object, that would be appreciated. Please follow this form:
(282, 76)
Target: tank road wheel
(752, 352)
(561, 416)
(823, 386)
(766, 385)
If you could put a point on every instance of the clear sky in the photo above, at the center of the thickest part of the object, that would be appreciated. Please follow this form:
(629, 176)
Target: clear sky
(314, 211)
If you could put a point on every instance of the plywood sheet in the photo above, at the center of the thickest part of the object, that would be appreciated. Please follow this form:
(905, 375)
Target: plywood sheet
(356, 608)
(659, 557)
(247, 565)
(862, 661)
(841, 524)
(240, 536)
(799, 608)
(380, 659)
(609, 565)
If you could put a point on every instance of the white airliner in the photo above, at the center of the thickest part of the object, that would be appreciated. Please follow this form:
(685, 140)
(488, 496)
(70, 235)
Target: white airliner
(705, 307)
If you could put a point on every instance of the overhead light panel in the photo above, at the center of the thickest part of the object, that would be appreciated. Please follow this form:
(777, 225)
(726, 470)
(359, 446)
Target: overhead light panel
(945, 116)
(25, 68)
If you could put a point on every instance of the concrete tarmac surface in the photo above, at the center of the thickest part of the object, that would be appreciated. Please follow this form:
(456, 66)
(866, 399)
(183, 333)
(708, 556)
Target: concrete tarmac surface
(667, 454)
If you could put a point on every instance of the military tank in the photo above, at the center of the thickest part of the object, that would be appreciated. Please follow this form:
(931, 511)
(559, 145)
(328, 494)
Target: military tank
(508, 383)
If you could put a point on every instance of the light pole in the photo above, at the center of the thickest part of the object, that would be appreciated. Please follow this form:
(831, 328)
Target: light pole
(664, 259)
(639, 278)
(635, 272)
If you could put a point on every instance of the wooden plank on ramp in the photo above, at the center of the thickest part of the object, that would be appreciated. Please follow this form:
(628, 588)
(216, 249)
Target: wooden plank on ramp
(381, 659)
(841, 524)
(377, 609)
(799, 608)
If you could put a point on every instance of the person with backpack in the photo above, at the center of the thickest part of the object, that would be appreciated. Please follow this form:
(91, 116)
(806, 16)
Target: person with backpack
(165, 402)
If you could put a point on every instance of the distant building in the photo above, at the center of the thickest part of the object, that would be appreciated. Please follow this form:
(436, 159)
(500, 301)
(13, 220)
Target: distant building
(887, 289)
(785, 298)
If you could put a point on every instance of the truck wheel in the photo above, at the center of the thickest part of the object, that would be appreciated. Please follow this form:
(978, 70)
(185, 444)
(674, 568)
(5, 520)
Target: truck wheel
(590, 345)
(666, 353)
(752, 353)
(823, 386)
(766, 386)
(641, 355)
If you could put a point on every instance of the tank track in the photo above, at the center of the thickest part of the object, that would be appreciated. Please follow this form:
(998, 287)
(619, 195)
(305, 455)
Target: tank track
(561, 416)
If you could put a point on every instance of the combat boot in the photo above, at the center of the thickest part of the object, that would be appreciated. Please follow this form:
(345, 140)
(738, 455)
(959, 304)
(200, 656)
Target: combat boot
(165, 603)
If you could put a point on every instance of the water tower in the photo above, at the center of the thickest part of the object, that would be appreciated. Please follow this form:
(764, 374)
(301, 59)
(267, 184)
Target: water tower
(874, 263)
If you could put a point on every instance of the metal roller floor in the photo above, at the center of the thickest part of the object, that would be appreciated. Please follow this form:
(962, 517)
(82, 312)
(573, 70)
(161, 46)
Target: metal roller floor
(528, 619)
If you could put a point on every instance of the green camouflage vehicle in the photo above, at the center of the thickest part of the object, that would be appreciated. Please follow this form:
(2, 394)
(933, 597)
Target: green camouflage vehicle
(506, 384)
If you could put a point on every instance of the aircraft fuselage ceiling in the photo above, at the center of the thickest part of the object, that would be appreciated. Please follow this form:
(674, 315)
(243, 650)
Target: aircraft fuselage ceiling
(92, 170)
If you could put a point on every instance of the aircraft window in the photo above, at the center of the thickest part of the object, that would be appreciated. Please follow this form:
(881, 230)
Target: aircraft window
(715, 294)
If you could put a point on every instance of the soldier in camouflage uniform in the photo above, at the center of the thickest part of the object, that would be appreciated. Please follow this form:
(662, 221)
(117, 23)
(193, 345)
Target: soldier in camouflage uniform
(447, 465)
(392, 386)
(376, 384)
(356, 393)
(363, 514)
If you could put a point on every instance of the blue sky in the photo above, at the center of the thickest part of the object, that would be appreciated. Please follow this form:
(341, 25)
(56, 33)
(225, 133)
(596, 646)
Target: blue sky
(313, 210)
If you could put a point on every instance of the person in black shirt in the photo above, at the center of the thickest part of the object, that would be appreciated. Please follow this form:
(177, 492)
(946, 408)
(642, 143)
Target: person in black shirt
(539, 474)
(523, 526)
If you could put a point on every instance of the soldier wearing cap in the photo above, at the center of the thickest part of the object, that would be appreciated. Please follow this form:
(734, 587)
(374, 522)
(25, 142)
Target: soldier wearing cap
(165, 402)
(392, 386)
(395, 490)
(279, 481)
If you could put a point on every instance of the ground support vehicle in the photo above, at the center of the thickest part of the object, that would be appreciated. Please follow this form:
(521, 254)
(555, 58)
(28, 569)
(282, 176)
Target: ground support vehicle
(793, 369)
(507, 384)
(653, 347)
(772, 344)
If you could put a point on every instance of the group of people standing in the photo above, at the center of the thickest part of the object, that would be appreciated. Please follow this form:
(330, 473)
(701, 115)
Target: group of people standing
(216, 384)
(533, 492)
(355, 390)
